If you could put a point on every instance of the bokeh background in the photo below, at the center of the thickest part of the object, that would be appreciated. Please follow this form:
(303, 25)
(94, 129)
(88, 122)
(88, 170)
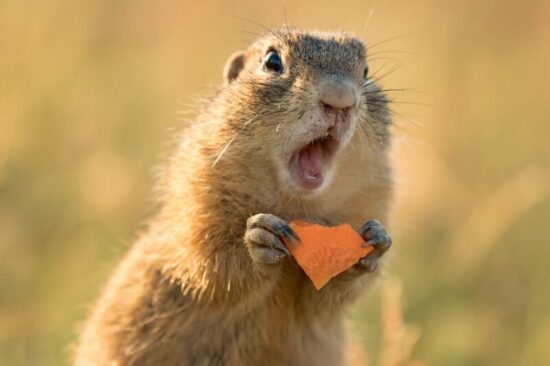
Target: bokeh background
(91, 93)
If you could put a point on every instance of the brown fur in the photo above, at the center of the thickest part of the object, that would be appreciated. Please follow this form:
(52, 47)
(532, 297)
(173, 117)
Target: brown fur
(188, 293)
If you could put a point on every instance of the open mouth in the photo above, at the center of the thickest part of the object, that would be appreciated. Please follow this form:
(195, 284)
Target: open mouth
(311, 161)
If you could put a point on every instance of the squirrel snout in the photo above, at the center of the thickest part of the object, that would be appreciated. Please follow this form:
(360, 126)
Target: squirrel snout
(338, 97)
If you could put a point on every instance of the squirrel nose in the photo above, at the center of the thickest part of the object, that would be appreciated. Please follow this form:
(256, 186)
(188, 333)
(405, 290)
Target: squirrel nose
(338, 97)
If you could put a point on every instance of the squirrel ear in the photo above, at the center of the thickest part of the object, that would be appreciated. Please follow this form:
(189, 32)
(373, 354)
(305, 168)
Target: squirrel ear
(234, 66)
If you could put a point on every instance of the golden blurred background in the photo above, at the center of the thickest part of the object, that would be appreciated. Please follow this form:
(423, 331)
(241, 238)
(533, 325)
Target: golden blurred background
(90, 95)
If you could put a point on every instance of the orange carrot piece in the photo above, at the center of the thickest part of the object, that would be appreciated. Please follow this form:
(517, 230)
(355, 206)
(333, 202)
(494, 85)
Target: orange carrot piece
(324, 252)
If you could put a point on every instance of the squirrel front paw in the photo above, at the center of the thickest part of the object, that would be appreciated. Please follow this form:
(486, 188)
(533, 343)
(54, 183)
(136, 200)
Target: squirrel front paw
(264, 238)
(376, 235)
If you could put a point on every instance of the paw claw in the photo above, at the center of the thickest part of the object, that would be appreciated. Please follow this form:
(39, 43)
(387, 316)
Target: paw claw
(369, 225)
(371, 264)
(264, 235)
(374, 235)
(367, 264)
(381, 241)
(290, 234)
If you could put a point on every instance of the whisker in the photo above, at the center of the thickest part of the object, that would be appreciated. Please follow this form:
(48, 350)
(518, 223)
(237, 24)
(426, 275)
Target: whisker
(391, 39)
(391, 101)
(391, 71)
(412, 90)
(267, 29)
(368, 82)
(365, 129)
(222, 152)
(369, 59)
(384, 52)
(284, 15)
(224, 149)
(411, 121)
(369, 16)
(249, 32)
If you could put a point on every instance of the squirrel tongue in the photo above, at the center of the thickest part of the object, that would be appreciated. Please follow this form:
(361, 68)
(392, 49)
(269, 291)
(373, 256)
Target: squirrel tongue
(310, 162)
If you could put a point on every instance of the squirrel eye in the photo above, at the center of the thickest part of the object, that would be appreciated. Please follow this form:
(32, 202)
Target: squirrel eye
(366, 73)
(273, 62)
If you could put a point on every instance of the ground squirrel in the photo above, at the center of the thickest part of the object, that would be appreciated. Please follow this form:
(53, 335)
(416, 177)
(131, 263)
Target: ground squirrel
(299, 130)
